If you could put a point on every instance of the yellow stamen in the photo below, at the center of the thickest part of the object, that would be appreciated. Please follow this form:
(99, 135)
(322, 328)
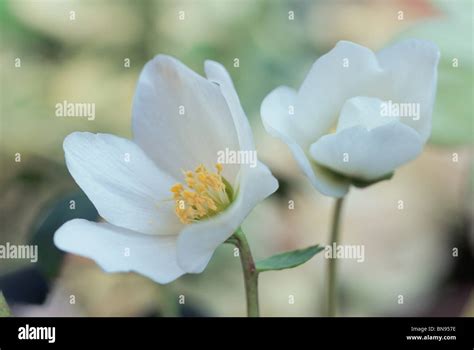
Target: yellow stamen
(206, 194)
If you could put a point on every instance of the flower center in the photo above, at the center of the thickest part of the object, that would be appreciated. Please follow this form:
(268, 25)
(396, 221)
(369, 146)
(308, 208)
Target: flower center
(204, 195)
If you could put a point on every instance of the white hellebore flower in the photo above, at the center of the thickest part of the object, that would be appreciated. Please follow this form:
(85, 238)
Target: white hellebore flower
(358, 115)
(166, 203)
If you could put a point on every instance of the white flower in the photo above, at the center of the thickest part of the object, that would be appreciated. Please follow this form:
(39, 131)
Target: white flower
(166, 203)
(345, 124)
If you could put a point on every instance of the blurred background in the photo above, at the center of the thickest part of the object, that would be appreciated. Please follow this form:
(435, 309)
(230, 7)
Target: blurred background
(79, 51)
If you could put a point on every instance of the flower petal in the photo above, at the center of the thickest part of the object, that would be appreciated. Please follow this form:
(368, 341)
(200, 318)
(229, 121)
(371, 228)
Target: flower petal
(364, 111)
(368, 154)
(347, 70)
(279, 122)
(218, 74)
(197, 242)
(177, 141)
(277, 111)
(411, 66)
(324, 181)
(117, 249)
(125, 186)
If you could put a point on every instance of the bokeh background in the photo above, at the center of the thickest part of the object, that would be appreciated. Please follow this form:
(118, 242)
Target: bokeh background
(408, 252)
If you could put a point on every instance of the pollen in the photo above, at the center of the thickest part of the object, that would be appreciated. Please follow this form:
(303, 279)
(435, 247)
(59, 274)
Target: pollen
(203, 195)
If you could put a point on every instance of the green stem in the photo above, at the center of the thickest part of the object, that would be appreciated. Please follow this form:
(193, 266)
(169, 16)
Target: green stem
(250, 272)
(332, 263)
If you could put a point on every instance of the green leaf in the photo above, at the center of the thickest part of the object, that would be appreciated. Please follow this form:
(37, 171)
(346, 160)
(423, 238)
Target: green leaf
(288, 260)
(4, 309)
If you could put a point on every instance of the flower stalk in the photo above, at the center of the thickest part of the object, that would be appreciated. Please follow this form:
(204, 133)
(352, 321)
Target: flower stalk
(332, 263)
(250, 272)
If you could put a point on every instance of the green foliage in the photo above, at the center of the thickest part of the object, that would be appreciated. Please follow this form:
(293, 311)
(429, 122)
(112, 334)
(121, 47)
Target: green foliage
(288, 260)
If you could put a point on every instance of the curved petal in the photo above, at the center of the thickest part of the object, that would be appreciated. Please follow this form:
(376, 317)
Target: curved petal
(125, 186)
(324, 181)
(217, 73)
(279, 122)
(347, 70)
(278, 114)
(411, 66)
(117, 249)
(368, 155)
(197, 242)
(368, 112)
(181, 119)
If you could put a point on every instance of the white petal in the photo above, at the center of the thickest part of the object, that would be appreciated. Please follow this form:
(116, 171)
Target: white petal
(347, 70)
(120, 250)
(368, 155)
(278, 122)
(218, 74)
(125, 186)
(411, 66)
(364, 111)
(177, 141)
(277, 111)
(197, 242)
(324, 181)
